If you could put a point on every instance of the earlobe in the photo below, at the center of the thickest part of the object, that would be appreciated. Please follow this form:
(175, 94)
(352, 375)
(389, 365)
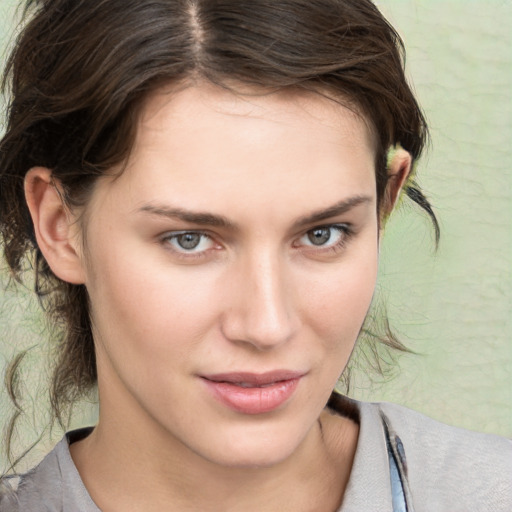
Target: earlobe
(53, 225)
(399, 168)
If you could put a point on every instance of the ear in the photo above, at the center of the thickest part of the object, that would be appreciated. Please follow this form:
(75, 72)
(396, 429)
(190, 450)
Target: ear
(399, 169)
(56, 232)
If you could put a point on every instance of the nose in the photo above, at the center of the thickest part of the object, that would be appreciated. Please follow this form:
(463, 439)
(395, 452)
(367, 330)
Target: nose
(261, 309)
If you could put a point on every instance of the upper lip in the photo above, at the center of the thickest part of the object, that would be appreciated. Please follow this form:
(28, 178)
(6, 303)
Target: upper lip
(256, 379)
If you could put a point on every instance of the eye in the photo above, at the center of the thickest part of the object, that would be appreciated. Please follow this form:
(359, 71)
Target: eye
(326, 236)
(188, 242)
(319, 236)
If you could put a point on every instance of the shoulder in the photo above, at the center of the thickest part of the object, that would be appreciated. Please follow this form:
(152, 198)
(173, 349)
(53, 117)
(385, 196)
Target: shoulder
(53, 485)
(449, 465)
(434, 442)
(38, 489)
(8, 494)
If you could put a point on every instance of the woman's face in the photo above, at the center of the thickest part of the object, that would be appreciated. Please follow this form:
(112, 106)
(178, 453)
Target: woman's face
(230, 267)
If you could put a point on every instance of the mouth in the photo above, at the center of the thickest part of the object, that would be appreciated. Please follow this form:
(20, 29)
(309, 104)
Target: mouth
(254, 380)
(249, 385)
(251, 393)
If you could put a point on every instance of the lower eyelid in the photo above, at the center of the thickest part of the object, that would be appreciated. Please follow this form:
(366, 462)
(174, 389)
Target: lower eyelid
(332, 249)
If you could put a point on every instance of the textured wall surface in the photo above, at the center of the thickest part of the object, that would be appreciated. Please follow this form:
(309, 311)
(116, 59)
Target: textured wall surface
(454, 307)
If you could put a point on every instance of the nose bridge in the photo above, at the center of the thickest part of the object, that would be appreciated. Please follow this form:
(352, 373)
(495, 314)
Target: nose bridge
(262, 313)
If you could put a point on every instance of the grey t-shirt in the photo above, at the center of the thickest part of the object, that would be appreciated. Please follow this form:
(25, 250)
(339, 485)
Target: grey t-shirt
(54, 485)
(434, 468)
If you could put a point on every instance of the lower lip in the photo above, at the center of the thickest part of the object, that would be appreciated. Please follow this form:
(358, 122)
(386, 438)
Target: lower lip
(257, 400)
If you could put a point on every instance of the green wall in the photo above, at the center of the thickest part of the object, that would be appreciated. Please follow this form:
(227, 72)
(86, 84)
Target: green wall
(454, 307)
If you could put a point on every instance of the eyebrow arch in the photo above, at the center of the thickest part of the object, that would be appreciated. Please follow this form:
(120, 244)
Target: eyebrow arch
(201, 218)
(332, 211)
(209, 219)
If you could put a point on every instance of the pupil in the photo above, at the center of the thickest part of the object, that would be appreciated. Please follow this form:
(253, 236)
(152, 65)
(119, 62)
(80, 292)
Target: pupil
(319, 236)
(189, 240)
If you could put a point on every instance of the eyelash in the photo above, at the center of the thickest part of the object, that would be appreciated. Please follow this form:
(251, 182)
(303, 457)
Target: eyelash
(345, 231)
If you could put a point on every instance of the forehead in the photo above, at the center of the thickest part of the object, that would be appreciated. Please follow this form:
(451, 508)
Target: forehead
(297, 109)
(210, 149)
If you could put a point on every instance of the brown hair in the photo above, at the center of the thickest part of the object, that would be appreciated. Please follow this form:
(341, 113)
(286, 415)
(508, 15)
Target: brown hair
(79, 73)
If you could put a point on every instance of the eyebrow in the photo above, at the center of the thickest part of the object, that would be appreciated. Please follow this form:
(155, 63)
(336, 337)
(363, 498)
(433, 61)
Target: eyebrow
(202, 218)
(339, 208)
(210, 219)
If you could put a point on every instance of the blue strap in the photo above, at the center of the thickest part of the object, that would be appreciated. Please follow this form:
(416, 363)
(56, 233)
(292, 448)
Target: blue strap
(397, 488)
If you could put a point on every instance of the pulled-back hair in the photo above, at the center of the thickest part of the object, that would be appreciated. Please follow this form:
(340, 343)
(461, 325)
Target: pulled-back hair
(81, 70)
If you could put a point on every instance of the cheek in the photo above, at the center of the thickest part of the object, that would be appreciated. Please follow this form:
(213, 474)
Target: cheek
(146, 308)
(338, 300)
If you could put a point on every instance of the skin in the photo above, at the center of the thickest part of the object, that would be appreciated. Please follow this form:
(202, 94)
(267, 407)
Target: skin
(255, 295)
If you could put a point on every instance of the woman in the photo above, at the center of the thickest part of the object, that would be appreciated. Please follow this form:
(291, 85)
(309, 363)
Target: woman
(203, 187)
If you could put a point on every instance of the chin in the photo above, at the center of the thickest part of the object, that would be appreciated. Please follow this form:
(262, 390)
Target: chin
(257, 449)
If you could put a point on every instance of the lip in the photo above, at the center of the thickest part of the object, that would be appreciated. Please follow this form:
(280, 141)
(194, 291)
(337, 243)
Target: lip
(253, 393)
